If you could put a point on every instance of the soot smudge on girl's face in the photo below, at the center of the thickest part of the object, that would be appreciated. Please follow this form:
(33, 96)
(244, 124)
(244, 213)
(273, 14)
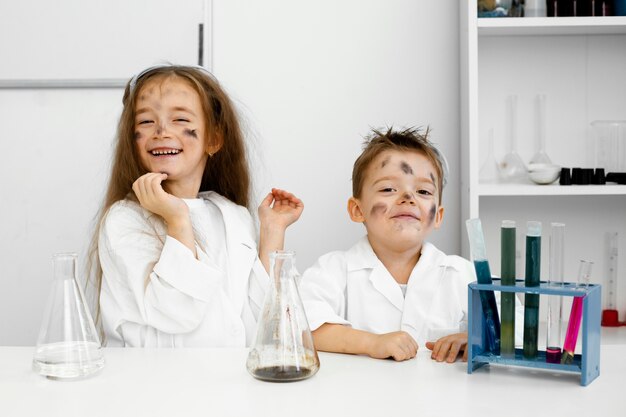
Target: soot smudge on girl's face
(191, 133)
(137, 135)
(378, 209)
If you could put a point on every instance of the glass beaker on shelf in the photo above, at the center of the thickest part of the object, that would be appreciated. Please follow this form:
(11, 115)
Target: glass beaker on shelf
(610, 145)
(68, 345)
(488, 173)
(512, 168)
(284, 349)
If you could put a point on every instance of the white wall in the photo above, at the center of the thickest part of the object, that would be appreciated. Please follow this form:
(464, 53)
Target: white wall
(310, 78)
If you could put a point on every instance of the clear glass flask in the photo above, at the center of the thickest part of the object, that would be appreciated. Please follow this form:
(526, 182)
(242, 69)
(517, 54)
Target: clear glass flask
(68, 345)
(555, 303)
(512, 168)
(284, 349)
(540, 156)
(576, 314)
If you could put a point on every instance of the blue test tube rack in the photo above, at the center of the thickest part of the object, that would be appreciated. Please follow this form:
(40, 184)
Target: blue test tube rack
(587, 363)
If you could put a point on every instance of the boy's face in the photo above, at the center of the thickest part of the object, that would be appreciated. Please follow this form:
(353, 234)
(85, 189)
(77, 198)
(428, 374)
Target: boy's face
(399, 200)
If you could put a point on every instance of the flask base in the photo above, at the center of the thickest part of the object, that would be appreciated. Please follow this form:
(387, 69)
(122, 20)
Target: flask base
(282, 373)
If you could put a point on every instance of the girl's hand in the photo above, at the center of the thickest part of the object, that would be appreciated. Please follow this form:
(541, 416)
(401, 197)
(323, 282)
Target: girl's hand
(284, 211)
(398, 345)
(448, 348)
(154, 198)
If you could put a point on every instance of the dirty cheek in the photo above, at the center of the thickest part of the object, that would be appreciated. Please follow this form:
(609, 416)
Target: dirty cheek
(431, 214)
(137, 135)
(191, 133)
(378, 210)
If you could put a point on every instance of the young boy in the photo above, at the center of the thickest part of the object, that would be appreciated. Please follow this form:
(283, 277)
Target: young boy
(392, 291)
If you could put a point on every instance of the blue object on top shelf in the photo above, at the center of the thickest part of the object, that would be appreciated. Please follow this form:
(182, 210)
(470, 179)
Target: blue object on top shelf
(587, 364)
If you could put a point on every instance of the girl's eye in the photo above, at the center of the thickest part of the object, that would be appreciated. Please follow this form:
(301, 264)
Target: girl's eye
(181, 120)
(145, 122)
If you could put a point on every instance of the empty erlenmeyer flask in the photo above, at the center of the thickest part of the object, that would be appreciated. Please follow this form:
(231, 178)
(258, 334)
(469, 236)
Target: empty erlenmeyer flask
(284, 349)
(68, 345)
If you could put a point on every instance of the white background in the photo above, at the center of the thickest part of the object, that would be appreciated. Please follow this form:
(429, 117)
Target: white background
(310, 79)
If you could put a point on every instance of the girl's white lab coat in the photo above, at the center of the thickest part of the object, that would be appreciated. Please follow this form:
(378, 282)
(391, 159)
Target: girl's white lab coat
(155, 293)
(356, 289)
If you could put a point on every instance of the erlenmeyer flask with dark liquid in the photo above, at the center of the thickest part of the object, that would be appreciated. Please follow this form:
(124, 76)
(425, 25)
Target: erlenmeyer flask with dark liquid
(284, 349)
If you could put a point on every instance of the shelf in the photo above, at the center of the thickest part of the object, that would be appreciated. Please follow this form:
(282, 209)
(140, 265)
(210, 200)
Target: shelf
(485, 190)
(530, 26)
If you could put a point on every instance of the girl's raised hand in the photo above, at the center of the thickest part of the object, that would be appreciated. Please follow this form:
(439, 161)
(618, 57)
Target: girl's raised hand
(279, 209)
(154, 198)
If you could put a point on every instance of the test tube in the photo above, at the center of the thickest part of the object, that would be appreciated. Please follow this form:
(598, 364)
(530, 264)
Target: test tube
(555, 303)
(483, 275)
(532, 278)
(576, 314)
(507, 273)
(610, 316)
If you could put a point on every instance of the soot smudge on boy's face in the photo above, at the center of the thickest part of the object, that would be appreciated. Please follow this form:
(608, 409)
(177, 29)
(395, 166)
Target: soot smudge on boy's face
(384, 163)
(406, 168)
(379, 209)
(431, 213)
(191, 133)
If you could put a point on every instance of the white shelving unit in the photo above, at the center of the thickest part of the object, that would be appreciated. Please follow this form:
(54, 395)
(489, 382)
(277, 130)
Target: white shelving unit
(580, 64)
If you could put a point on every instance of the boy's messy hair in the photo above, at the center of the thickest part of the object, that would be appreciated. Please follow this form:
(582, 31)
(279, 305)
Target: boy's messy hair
(411, 139)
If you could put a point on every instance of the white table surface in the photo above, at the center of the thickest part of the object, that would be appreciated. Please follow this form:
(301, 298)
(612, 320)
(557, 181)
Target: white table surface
(214, 382)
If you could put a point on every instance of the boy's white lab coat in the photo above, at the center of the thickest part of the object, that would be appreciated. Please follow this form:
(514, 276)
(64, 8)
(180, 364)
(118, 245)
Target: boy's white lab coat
(155, 293)
(356, 289)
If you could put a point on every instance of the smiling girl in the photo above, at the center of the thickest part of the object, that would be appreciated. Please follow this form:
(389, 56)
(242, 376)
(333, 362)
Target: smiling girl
(175, 241)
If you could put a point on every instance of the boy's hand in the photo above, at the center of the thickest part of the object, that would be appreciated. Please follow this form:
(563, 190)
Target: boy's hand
(448, 348)
(397, 345)
(284, 211)
(154, 198)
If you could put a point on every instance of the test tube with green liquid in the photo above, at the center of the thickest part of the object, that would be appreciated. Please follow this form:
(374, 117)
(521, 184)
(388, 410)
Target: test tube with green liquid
(507, 274)
(555, 302)
(532, 278)
(483, 276)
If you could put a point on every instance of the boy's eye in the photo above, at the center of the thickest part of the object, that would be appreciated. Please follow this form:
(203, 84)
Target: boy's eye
(424, 192)
(388, 190)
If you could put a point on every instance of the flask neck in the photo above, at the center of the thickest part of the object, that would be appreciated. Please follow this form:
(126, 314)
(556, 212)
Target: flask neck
(282, 265)
(64, 266)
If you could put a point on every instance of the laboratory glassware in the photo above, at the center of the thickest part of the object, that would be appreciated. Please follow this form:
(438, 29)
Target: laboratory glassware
(68, 345)
(555, 303)
(512, 168)
(483, 275)
(532, 279)
(284, 349)
(507, 274)
(576, 314)
(610, 315)
(489, 170)
(610, 145)
(540, 157)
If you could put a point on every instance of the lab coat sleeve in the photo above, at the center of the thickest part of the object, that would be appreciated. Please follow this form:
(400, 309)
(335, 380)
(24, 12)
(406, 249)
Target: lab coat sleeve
(153, 283)
(258, 286)
(323, 291)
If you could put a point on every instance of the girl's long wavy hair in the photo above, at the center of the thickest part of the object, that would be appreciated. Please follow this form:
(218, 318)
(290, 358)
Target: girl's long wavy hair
(226, 172)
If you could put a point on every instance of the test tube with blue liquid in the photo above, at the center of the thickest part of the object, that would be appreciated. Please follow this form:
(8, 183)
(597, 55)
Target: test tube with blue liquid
(483, 275)
(576, 314)
(532, 279)
(555, 303)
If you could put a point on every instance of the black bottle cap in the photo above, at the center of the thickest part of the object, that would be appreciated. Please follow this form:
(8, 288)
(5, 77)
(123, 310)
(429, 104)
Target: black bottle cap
(577, 176)
(566, 177)
(587, 176)
(599, 177)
